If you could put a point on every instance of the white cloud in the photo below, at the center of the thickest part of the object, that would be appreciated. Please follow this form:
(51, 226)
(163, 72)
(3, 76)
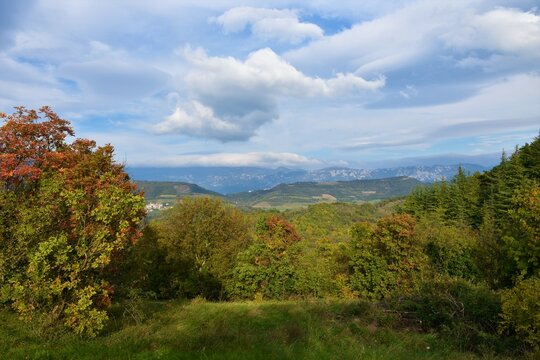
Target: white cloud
(420, 30)
(199, 120)
(507, 105)
(408, 92)
(232, 99)
(502, 29)
(269, 24)
(24, 84)
(259, 159)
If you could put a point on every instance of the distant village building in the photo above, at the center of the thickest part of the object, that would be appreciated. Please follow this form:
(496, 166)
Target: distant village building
(157, 206)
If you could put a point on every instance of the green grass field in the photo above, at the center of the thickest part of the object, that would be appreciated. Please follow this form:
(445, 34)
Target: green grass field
(251, 330)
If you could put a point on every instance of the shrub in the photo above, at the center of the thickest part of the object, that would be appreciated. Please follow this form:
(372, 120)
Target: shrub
(268, 268)
(521, 311)
(467, 313)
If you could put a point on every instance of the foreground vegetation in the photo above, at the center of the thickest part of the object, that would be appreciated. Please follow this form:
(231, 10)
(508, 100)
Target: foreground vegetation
(458, 263)
(248, 330)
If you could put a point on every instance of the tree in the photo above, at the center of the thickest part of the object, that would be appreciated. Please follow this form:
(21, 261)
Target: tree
(31, 144)
(268, 268)
(69, 212)
(201, 237)
(522, 230)
(530, 157)
(385, 257)
(521, 311)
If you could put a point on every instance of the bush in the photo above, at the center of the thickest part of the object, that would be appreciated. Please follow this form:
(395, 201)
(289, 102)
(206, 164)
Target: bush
(521, 311)
(450, 249)
(467, 313)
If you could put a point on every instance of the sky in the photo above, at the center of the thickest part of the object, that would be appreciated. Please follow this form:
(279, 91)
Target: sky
(307, 84)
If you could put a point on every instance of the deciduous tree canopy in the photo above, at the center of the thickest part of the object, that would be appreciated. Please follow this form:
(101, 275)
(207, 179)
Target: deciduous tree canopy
(68, 212)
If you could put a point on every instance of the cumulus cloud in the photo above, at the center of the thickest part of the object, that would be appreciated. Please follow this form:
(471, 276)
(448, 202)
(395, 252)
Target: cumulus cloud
(511, 36)
(199, 120)
(232, 99)
(270, 24)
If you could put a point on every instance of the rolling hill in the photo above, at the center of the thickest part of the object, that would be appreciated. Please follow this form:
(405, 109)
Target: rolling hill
(306, 193)
(170, 190)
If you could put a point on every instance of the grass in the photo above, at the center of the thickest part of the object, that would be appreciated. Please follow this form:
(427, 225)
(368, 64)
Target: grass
(247, 330)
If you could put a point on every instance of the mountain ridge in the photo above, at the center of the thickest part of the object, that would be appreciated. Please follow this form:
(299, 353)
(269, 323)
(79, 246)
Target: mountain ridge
(229, 180)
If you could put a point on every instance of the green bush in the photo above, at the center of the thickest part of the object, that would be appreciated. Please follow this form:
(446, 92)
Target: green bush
(467, 313)
(450, 248)
(268, 268)
(521, 311)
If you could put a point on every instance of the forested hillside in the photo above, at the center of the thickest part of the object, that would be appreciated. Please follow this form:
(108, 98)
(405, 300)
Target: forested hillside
(459, 260)
(305, 193)
(169, 190)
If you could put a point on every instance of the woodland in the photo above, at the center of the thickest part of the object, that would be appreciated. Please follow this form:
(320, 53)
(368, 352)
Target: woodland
(453, 267)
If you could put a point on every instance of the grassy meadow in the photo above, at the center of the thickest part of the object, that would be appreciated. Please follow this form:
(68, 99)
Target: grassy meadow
(329, 329)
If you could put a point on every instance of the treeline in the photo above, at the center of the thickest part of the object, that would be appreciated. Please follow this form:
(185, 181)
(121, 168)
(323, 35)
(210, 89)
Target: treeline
(460, 257)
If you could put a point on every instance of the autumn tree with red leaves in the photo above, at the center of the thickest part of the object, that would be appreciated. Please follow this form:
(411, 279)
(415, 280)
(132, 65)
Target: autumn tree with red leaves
(67, 214)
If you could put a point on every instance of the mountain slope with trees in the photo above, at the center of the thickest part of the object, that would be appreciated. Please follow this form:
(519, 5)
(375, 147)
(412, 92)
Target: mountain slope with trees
(302, 194)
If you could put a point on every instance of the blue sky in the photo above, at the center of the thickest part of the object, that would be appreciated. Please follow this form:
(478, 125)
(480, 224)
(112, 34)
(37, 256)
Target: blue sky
(280, 83)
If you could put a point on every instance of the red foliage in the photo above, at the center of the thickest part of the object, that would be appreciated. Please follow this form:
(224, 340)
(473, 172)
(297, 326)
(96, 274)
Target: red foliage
(278, 233)
(31, 142)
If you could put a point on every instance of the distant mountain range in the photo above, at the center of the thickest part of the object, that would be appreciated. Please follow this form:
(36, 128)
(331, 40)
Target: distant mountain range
(227, 180)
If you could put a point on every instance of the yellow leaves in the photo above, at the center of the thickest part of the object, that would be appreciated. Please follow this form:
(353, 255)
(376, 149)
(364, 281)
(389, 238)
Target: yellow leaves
(67, 226)
(82, 317)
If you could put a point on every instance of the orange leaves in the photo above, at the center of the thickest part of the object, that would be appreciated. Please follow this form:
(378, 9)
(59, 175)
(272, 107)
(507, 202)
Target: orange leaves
(29, 144)
(34, 142)
(277, 232)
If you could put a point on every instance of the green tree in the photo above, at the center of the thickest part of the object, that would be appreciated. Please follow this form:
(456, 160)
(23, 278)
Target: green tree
(385, 257)
(530, 158)
(521, 311)
(201, 237)
(69, 213)
(451, 249)
(522, 230)
(268, 268)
